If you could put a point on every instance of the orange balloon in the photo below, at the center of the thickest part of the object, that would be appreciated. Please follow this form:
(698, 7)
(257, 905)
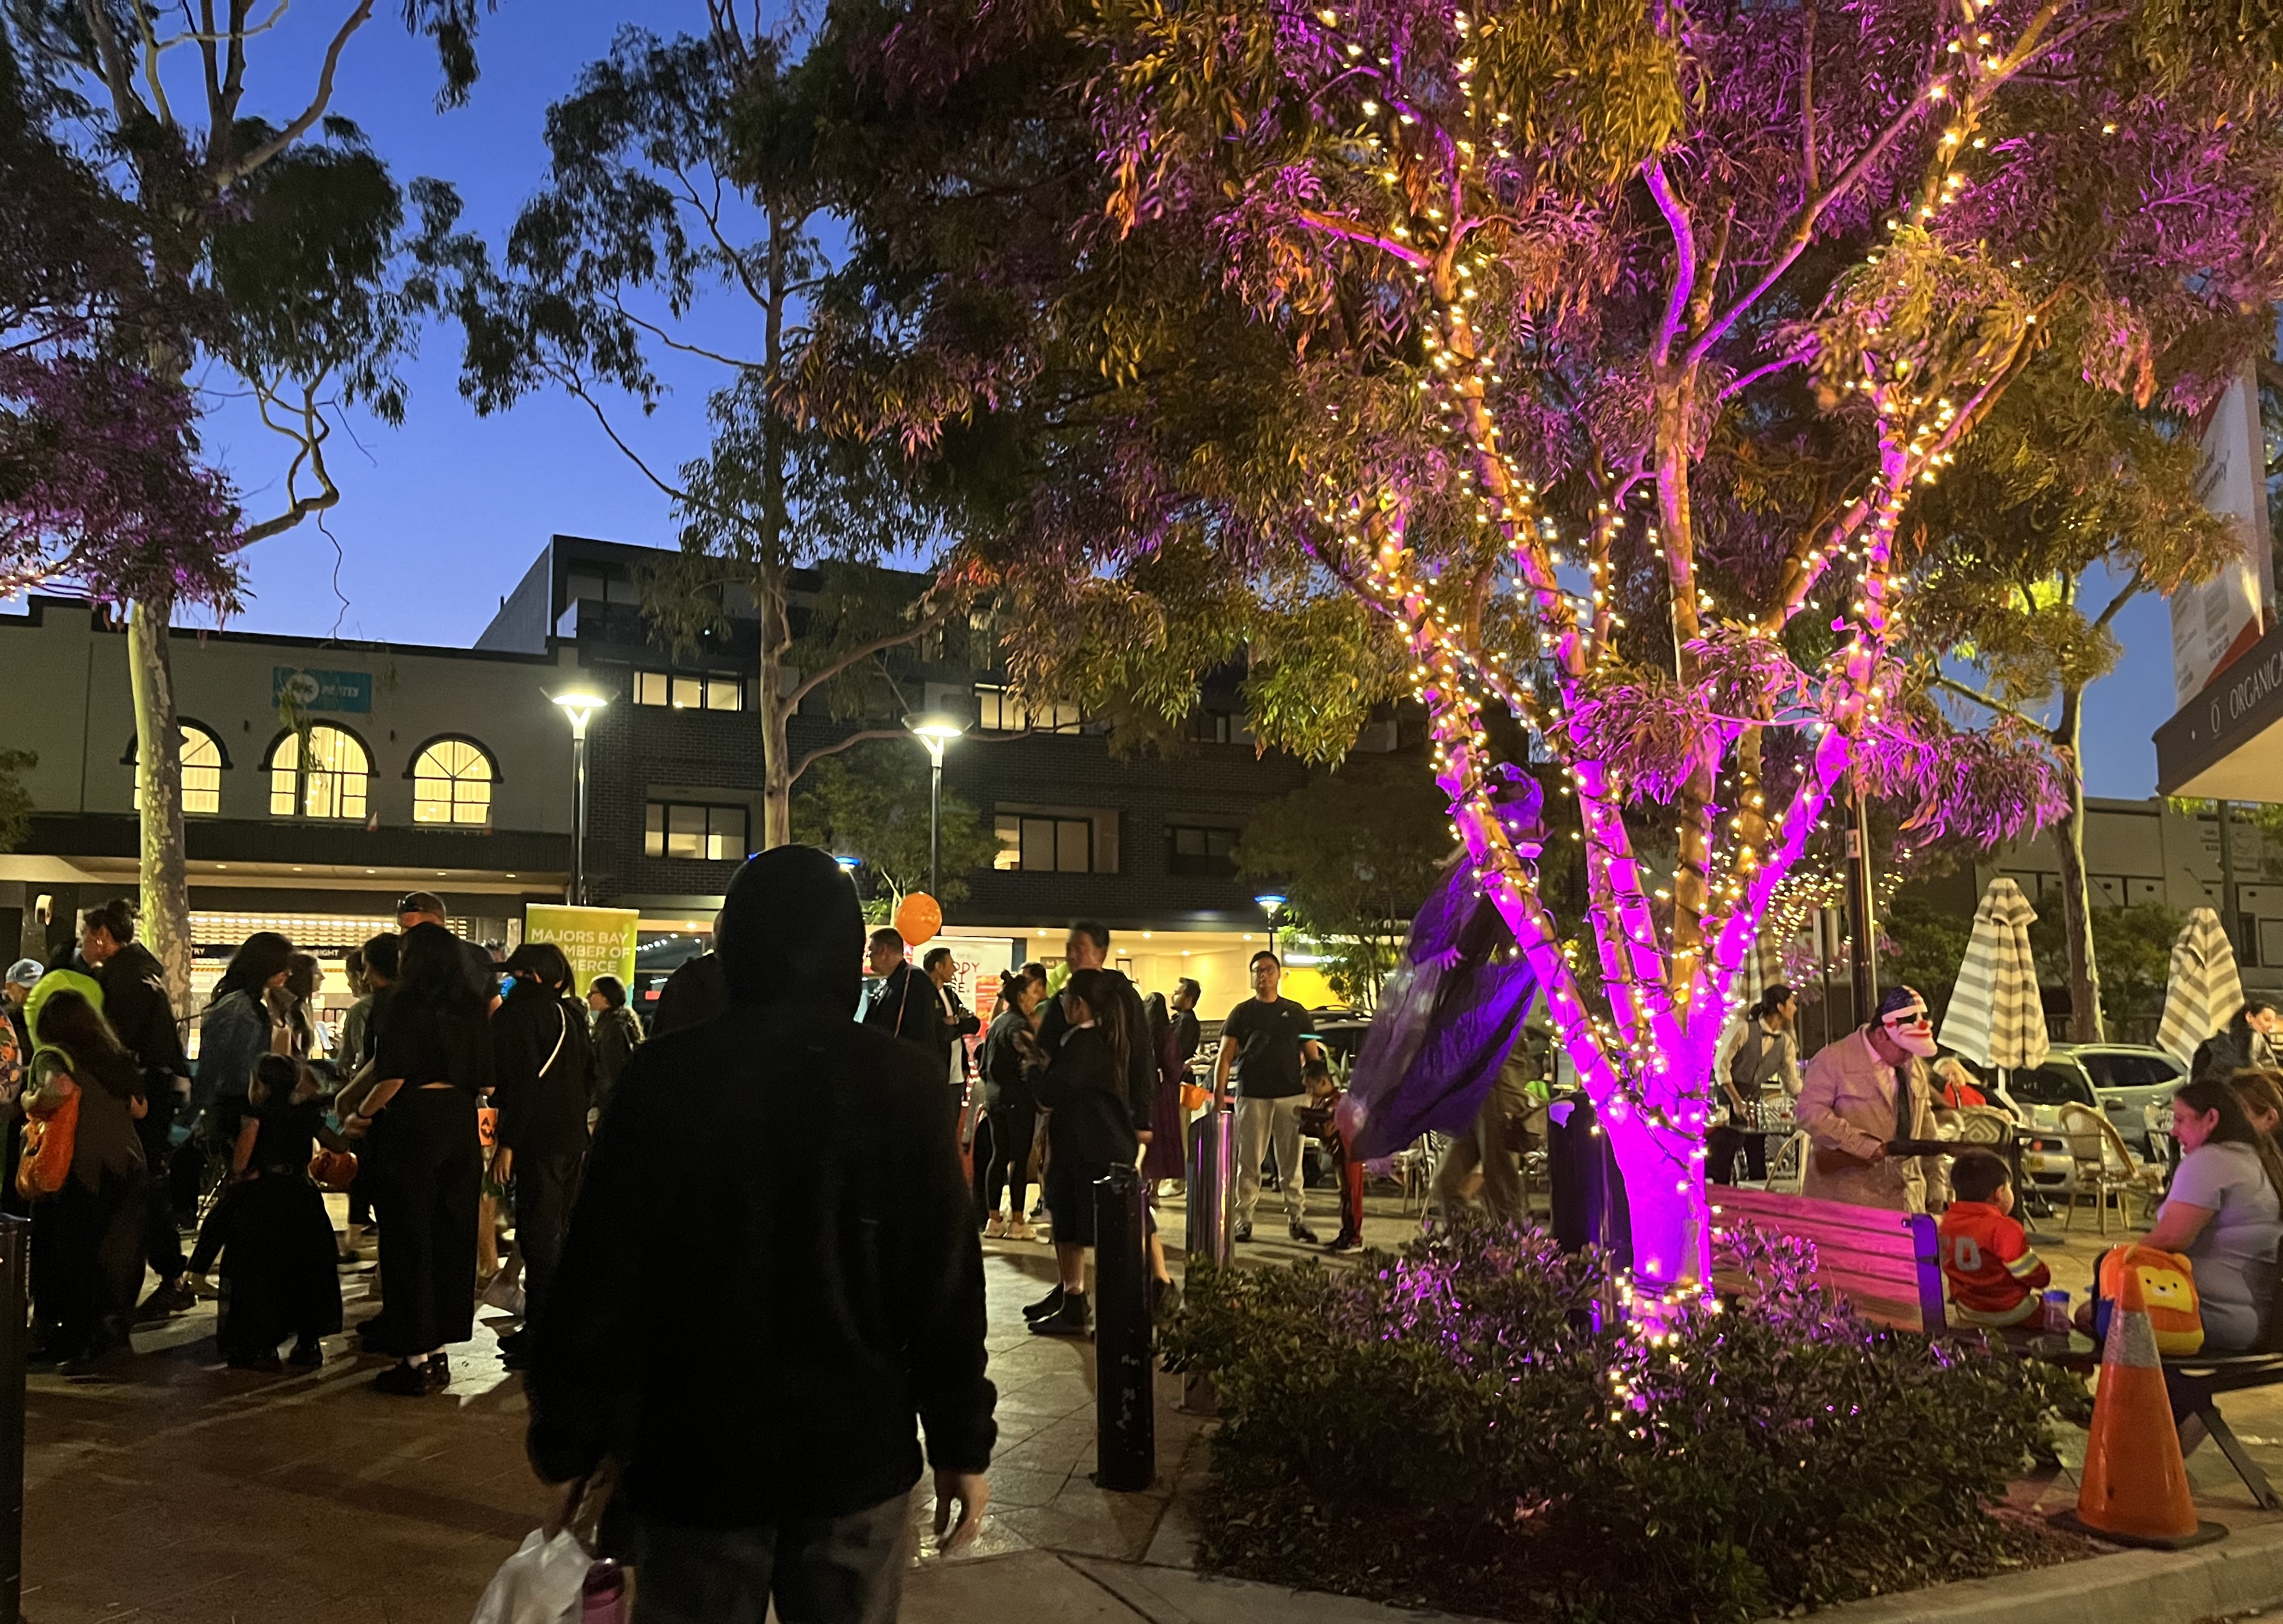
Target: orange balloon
(918, 917)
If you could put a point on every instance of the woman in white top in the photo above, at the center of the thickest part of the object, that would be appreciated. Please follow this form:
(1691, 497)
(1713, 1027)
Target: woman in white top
(2224, 1212)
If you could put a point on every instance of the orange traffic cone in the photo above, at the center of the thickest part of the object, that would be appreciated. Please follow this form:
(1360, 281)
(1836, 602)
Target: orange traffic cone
(2134, 1487)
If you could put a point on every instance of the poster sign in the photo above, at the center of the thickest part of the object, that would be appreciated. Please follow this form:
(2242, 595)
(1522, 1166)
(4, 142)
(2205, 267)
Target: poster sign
(320, 691)
(2224, 617)
(597, 940)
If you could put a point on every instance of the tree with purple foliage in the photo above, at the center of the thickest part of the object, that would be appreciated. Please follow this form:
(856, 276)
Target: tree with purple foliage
(1615, 348)
(266, 247)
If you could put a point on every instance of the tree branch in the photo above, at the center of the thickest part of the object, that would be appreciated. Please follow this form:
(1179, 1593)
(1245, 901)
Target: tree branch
(860, 736)
(231, 172)
(1984, 700)
(919, 629)
(1338, 226)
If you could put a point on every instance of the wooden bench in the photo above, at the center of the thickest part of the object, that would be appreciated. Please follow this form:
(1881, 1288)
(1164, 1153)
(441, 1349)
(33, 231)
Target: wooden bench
(2217, 1373)
(1887, 1264)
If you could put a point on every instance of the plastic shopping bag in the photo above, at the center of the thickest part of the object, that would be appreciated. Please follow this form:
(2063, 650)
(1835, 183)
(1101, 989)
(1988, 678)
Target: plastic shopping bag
(540, 1584)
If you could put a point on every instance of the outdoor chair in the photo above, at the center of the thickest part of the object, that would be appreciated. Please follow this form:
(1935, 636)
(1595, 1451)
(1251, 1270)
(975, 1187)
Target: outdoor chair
(2105, 1168)
(1788, 1167)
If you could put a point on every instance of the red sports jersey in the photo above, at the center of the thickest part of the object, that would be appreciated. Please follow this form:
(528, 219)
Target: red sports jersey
(1994, 1275)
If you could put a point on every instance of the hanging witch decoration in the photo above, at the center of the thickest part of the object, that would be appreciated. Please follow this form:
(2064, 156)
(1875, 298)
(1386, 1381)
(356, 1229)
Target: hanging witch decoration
(1453, 1009)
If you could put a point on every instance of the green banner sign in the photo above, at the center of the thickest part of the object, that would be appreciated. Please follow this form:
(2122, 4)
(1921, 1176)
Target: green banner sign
(597, 940)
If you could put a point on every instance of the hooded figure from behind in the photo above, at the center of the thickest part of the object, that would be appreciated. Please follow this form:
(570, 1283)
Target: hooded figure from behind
(768, 1385)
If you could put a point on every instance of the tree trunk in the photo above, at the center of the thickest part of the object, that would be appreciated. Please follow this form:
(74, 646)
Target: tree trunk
(2076, 893)
(776, 714)
(158, 784)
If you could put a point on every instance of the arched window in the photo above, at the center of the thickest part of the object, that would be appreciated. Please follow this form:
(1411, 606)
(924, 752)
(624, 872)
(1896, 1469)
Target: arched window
(452, 783)
(326, 781)
(202, 763)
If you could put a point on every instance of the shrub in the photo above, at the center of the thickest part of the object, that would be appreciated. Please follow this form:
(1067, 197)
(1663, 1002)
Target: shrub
(1469, 1425)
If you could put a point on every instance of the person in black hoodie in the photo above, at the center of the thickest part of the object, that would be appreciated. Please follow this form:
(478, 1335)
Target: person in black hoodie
(768, 1441)
(136, 1004)
(543, 1080)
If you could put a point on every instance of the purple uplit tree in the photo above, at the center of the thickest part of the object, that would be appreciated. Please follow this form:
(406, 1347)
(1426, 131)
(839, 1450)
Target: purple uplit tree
(1621, 339)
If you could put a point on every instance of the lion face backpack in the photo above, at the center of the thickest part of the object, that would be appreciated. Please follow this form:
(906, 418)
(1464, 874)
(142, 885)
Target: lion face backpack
(2168, 1284)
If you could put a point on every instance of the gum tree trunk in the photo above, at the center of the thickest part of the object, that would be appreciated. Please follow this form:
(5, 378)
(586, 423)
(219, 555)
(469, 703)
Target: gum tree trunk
(2076, 892)
(166, 924)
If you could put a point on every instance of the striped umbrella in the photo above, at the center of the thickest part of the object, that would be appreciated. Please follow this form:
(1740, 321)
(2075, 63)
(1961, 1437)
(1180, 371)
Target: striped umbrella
(1995, 1016)
(2204, 992)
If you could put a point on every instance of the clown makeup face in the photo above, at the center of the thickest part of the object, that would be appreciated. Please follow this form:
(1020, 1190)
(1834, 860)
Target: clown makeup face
(1908, 1028)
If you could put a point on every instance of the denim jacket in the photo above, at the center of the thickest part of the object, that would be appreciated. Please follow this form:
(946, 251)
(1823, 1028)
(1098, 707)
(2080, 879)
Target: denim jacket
(233, 1034)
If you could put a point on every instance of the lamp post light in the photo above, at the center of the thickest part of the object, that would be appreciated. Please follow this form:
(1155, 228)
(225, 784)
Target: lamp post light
(1272, 903)
(935, 730)
(579, 703)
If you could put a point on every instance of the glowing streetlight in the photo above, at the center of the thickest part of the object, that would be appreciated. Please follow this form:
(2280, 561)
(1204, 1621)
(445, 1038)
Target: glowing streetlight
(935, 730)
(580, 705)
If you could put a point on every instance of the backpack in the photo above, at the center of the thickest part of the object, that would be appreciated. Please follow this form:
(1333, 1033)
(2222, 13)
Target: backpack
(51, 1126)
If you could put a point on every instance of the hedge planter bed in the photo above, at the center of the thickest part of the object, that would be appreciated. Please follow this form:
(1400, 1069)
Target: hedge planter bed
(1466, 1425)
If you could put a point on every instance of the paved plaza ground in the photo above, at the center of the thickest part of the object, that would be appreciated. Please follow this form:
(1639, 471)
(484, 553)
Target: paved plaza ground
(184, 1493)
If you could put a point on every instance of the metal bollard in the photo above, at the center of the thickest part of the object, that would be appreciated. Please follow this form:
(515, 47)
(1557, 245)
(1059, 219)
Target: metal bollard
(1125, 1401)
(15, 1262)
(1213, 1186)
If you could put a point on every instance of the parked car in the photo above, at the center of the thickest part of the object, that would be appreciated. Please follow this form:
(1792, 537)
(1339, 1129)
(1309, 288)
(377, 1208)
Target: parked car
(2123, 1080)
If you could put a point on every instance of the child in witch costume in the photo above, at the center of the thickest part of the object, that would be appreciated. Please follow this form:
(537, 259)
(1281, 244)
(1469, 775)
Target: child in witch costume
(278, 1259)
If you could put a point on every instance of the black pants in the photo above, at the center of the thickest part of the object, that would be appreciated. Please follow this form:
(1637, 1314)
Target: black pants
(428, 1209)
(823, 1570)
(1013, 1128)
(978, 1157)
(545, 1188)
(87, 1262)
(162, 1236)
(1720, 1148)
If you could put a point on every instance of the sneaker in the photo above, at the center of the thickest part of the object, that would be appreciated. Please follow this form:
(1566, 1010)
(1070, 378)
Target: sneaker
(403, 1379)
(1020, 1228)
(1301, 1232)
(1051, 1303)
(168, 1299)
(307, 1355)
(1345, 1242)
(1244, 1231)
(995, 1228)
(1069, 1320)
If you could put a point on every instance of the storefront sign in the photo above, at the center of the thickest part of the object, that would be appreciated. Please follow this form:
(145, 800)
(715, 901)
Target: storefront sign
(597, 940)
(2214, 623)
(320, 691)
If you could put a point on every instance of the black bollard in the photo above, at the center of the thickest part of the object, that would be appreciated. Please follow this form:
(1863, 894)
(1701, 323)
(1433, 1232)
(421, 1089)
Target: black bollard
(1125, 1401)
(1588, 1191)
(15, 1261)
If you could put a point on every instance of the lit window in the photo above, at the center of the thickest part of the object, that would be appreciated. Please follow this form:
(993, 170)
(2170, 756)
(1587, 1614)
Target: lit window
(713, 690)
(201, 772)
(329, 780)
(1001, 710)
(708, 834)
(452, 784)
(1044, 844)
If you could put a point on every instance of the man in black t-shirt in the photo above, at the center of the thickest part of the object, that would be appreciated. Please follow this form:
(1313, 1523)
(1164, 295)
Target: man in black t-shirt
(1265, 1038)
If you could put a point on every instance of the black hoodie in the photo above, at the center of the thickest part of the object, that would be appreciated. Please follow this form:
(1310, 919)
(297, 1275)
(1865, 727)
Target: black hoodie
(778, 1368)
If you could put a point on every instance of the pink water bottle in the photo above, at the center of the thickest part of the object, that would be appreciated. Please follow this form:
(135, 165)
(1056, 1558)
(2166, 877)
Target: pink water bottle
(603, 1598)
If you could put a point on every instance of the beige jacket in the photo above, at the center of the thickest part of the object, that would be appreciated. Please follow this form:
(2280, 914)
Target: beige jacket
(1847, 1102)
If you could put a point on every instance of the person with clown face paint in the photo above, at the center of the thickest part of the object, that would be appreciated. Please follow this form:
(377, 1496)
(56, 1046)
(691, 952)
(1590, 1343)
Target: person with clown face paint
(1863, 1102)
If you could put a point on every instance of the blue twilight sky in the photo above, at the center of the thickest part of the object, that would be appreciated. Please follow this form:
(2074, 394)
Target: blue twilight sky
(440, 518)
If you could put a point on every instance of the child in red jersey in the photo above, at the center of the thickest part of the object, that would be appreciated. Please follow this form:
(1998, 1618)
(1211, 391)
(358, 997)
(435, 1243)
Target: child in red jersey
(1994, 1276)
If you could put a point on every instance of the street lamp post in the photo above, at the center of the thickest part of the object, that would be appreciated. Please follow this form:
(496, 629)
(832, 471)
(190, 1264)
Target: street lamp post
(578, 705)
(935, 730)
(1272, 903)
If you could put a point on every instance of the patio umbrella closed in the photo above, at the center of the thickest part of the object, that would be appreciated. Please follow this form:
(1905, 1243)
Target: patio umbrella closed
(2203, 991)
(1996, 1017)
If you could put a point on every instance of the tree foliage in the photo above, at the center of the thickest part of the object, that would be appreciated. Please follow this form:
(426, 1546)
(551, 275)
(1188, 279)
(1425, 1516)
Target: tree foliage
(1355, 852)
(1588, 363)
(872, 804)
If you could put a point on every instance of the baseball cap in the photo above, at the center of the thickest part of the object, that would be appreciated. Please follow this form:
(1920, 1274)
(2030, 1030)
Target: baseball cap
(27, 972)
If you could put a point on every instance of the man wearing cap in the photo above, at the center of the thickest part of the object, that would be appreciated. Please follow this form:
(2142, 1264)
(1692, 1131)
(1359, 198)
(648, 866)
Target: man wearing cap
(1861, 1097)
(426, 908)
(23, 975)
